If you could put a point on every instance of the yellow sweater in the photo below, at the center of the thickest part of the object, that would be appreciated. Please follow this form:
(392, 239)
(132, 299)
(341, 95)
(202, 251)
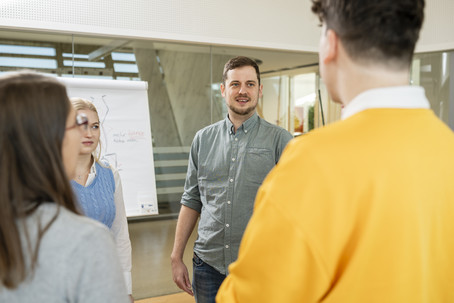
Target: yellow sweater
(359, 211)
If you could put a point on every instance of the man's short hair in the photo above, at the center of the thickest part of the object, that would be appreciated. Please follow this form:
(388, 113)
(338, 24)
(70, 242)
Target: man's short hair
(237, 62)
(385, 30)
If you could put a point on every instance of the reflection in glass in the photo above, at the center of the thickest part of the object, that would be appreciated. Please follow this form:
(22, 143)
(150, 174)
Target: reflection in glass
(27, 50)
(28, 62)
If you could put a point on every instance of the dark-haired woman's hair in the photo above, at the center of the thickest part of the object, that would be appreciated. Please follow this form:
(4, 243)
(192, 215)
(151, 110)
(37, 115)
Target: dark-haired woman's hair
(33, 113)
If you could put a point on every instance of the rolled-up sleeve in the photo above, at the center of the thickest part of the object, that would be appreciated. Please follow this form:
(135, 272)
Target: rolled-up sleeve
(191, 195)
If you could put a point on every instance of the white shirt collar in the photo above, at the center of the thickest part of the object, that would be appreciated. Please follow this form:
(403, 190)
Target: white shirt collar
(389, 97)
(91, 174)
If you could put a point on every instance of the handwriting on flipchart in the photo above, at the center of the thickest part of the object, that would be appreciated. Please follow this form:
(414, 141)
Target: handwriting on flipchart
(128, 136)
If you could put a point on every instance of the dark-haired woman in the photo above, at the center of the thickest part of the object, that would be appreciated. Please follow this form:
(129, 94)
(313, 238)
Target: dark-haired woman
(48, 252)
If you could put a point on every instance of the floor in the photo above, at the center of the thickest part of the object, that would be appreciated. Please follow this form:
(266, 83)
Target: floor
(152, 243)
(175, 298)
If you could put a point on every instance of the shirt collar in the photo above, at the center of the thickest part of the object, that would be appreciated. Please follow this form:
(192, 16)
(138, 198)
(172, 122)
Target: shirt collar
(93, 167)
(389, 97)
(247, 125)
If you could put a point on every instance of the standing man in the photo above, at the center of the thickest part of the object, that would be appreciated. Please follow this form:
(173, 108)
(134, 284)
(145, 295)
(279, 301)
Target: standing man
(227, 163)
(361, 210)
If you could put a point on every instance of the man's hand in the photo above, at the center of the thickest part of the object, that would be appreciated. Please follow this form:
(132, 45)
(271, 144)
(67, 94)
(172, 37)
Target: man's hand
(181, 276)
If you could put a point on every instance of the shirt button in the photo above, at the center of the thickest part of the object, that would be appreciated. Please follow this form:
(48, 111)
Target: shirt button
(227, 225)
(236, 139)
(231, 180)
(245, 131)
(228, 202)
(233, 159)
(226, 246)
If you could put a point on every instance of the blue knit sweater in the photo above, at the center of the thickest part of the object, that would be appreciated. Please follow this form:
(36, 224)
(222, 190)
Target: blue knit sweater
(97, 199)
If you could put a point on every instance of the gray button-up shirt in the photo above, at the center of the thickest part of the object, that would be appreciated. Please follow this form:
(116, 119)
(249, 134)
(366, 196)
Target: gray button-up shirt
(224, 173)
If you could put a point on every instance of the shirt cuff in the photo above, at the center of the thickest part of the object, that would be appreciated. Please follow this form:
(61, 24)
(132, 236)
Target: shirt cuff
(128, 281)
(197, 206)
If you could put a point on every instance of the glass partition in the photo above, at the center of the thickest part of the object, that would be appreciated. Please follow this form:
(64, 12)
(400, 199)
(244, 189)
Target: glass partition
(432, 72)
(184, 87)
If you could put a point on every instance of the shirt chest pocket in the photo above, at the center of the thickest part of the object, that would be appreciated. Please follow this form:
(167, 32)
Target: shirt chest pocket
(258, 163)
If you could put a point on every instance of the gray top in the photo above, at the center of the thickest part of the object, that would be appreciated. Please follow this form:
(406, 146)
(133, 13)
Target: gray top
(77, 262)
(224, 173)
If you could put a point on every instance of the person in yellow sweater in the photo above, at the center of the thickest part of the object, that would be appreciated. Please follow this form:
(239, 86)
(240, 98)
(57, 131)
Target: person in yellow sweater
(361, 210)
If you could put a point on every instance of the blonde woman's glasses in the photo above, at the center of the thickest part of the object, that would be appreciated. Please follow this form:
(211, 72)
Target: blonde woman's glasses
(81, 122)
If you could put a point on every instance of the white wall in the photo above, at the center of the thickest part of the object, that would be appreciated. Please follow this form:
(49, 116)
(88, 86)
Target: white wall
(285, 24)
(438, 28)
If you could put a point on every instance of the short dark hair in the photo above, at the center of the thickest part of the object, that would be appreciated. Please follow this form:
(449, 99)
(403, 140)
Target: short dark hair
(237, 62)
(385, 30)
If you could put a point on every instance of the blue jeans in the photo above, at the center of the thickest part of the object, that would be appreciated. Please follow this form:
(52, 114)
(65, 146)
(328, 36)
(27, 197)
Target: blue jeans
(205, 281)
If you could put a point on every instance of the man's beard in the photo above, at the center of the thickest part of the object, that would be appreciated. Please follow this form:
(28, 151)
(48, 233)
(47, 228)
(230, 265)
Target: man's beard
(242, 111)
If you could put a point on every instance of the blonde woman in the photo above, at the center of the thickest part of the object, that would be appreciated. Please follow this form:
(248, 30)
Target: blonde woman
(48, 251)
(98, 187)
